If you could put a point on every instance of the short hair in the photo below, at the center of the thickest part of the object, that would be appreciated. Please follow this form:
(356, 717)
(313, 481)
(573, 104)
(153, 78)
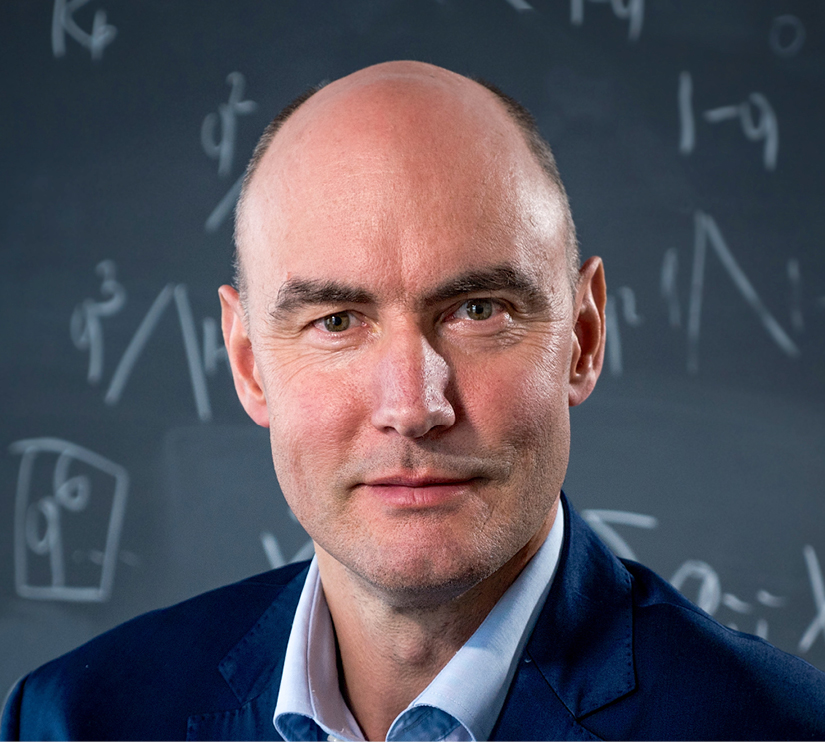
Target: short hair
(521, 117)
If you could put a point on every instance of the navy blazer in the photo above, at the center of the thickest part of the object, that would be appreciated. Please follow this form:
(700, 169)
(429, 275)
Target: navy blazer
(617, 653)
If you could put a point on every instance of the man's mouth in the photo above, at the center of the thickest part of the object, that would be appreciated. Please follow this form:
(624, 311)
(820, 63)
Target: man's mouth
(419, 490)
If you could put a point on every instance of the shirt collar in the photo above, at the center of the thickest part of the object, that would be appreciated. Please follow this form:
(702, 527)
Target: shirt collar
(461, 703)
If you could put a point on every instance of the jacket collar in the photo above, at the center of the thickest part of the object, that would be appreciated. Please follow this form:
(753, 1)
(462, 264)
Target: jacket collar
(578, 659)
(582, 646)
(253, 669)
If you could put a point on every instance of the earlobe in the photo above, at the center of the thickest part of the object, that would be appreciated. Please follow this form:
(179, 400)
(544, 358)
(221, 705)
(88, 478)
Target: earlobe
(588, 331)
(241, 358)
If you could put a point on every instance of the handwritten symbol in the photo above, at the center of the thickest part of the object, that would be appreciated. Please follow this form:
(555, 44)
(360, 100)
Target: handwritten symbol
(710, 596)
(602, 522)
(817, 626)
(275, 555)
(632, 10)
(520, 5)
(795, 280)
(710, 589)
(706, 231)
(764, 128)
(85, 326)
(628, 297)
(792, 29)
(224, 149)
(613, 337)
(667, 286)
(39, 523)
(63, 23)
(224, 207)
(124, 369)
(212, 351)
(613, 349)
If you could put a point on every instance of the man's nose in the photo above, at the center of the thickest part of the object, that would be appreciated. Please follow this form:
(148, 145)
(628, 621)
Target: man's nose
(410, 384)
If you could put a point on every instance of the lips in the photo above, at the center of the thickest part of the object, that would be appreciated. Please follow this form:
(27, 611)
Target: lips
(419, 491)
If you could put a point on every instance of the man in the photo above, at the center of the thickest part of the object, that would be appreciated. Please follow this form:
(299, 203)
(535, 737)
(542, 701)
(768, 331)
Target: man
(412, 325)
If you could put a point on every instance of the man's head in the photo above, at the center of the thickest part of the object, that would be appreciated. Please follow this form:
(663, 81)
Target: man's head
(409, 332)
(521, 117)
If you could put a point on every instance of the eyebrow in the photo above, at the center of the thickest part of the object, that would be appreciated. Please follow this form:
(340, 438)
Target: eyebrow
(297, 293)
(504, 277)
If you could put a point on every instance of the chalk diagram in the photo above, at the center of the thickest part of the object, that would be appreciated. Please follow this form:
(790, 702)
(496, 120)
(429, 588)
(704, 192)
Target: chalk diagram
(67, 530)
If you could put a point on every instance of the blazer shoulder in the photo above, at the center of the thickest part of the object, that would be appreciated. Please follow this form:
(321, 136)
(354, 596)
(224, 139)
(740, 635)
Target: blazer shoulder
(164, 664)
(708, 676)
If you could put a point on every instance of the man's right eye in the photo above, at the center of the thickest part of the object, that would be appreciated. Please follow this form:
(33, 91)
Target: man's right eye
(337, 322)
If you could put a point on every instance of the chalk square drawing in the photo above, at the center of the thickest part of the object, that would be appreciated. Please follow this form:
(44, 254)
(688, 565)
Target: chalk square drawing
(69, 511)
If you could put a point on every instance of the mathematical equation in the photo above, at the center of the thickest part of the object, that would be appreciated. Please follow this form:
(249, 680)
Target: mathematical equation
(786, 36)
(87, 332)
(709, 595)
(622, 311)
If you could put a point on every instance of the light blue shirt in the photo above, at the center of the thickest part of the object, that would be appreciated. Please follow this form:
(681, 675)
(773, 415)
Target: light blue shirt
(461, 703)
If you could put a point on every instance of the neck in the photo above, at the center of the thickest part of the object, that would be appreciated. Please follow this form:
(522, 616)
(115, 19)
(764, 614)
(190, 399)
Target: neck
(389, 654)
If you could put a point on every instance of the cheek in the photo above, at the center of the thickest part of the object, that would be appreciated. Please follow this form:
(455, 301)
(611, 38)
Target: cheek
(313, 418)
(519, 398)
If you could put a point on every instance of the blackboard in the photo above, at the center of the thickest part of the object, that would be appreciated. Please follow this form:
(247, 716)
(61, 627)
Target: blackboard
(689, 136)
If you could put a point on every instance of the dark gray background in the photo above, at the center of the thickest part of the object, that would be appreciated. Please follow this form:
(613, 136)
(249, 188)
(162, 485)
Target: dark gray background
(102, 160)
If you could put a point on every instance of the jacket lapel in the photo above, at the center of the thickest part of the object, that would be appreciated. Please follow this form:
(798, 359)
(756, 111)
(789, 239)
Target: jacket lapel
(578, 659)
(253, 669)
(580, 655)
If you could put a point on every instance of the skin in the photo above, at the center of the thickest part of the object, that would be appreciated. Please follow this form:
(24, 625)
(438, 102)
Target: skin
(412, 342)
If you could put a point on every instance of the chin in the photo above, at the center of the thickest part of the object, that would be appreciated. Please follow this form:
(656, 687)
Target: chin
(421, 578)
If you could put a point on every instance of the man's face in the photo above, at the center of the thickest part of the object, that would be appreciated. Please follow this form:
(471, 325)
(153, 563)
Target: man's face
(411, 329)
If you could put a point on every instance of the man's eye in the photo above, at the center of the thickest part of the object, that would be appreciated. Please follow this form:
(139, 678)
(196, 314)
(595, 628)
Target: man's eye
(337, 322)
(477, 309)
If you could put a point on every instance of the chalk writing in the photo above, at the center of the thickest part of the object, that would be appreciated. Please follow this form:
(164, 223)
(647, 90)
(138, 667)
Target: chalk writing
(613, 337)
(224, 207)
(602, 522)
(223, 148)
(85, 326)
(168, 294)
(628, 297)
(710, 588)
(40, 522)
(817, 626)
(708, 593)
(707, 232)
(795, 280)
(764, 127)
(63, 23)
(520, 5)
(710, 597)
(668, 288)
(613, 334)
(213, 352)
(275, 555)
(629, 10)
(787, 35)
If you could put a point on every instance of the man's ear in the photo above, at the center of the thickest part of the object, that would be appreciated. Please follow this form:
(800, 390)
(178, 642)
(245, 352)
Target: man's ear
(588, 331)
(239, 348)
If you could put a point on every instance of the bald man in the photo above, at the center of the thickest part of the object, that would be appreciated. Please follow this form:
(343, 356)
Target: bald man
(412, 324)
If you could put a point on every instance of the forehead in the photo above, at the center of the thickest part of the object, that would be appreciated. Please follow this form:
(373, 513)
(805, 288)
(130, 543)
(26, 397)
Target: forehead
(399, 183)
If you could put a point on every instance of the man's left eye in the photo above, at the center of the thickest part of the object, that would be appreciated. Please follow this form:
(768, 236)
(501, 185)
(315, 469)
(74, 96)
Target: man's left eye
(338, 322)
(477, 309)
